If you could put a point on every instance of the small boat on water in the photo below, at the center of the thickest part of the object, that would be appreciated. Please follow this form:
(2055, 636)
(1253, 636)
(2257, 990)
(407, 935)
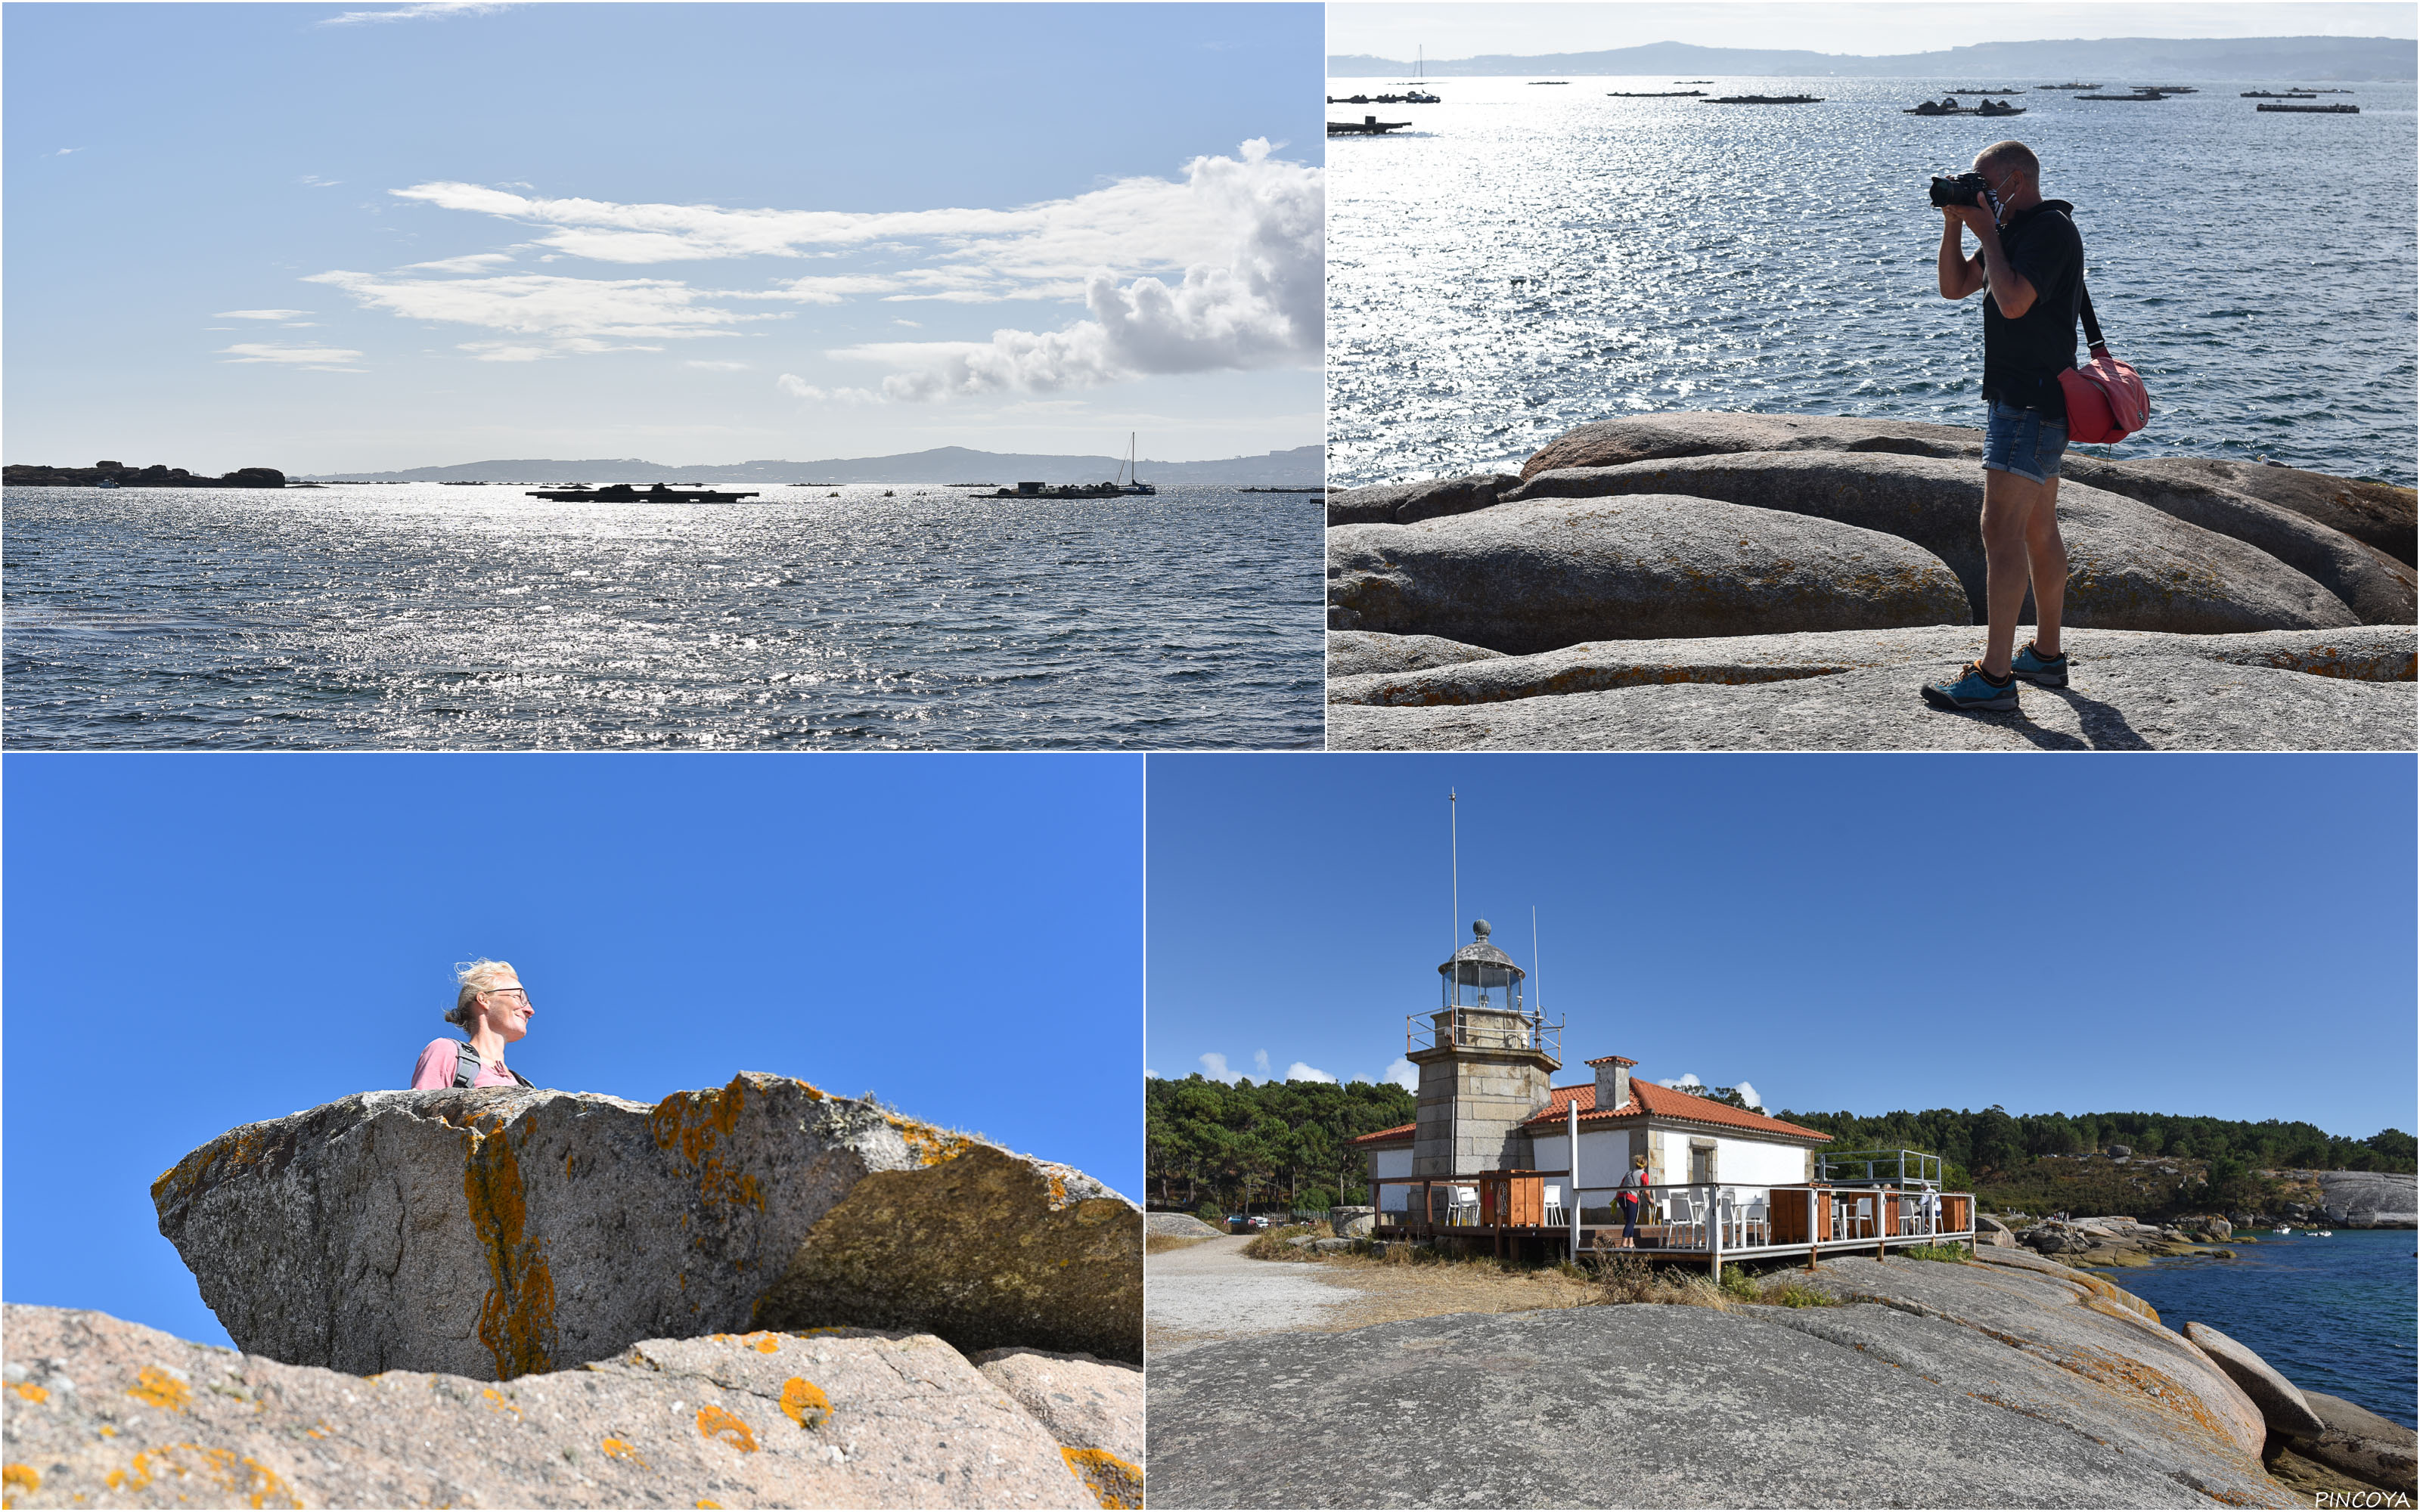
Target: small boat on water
(106, 483)
(2137, 95)
(2280, 1230)
(1128, 479)
(2067, 86)
(622, 493)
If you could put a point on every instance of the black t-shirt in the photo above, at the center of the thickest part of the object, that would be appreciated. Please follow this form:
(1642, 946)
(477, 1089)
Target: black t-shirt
(2022, 358)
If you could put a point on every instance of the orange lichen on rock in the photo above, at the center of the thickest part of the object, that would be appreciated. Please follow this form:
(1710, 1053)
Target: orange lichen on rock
(620, 1449)
(229, 1154)
(714, 1422)
(1113, 1481)
(804, 1403)
(29, 1391)
(16, 1481)
(516, 1318)
(699, 1125)
(930, 1145)
(236, 1475)
(496, 1399)
(159, 1389)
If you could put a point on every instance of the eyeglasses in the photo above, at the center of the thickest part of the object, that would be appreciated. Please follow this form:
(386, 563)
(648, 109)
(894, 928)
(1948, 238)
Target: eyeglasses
(520, 993)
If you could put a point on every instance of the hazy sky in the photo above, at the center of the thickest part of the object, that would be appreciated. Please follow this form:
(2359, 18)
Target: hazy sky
(300, 237)
(198, 942)
(2229, 937)
(1469, 29)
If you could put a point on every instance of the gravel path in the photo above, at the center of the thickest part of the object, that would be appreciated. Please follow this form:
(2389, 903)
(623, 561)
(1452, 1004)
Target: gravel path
(1210, 1291)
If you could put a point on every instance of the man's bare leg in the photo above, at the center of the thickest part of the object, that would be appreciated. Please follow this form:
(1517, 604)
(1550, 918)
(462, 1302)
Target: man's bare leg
(2010, 504)
(2046, 555)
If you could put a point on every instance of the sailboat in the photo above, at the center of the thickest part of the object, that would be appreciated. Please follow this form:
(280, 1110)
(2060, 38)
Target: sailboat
(1126, 480)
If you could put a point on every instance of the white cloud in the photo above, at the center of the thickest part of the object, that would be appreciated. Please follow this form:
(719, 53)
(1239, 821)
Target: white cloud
(1749, 1095)
(1261, 1063)
(1300, 1072)
(717, 368)
(477, 262)
(316, 358)
(565, 315)
(1686, 1079)
(798, 388)
(314, 181)
(418, 10)
(1221, 268)
(64, 151)
(257, 314)
(1214, 1066)
(1404, 1074)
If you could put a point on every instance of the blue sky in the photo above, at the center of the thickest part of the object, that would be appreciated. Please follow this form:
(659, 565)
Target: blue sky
(321, 239)
(2229, 937)
(1466, 28)
(198, 942)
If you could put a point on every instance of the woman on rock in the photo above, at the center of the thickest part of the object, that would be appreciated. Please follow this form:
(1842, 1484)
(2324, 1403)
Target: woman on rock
(1630, 1194)
(494, 1010)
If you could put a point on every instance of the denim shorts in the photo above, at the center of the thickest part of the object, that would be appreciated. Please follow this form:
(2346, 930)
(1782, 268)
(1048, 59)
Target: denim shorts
(2023, 441)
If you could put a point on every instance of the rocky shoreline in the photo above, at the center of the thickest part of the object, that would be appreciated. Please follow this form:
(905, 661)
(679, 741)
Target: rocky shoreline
(2008, 1381)
(1739, 581)
(34, 476)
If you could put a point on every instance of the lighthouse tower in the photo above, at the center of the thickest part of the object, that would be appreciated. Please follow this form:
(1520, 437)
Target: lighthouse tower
(1486, 1062)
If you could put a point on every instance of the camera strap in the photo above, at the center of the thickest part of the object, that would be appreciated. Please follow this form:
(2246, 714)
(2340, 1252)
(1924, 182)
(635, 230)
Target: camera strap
(2091, 327)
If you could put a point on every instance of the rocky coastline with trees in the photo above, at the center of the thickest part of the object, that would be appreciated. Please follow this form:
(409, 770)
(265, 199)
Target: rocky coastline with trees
(117, 474)
(1705, 580)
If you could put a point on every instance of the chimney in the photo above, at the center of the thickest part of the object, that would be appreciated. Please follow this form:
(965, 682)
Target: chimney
(1612, 1081)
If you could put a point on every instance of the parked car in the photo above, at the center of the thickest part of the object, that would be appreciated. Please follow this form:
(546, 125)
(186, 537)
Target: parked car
(1260, 1220)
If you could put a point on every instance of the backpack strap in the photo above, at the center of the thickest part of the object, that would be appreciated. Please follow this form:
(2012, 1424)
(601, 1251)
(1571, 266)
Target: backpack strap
(2084, 292)
(467, 1065)
(2091, 327)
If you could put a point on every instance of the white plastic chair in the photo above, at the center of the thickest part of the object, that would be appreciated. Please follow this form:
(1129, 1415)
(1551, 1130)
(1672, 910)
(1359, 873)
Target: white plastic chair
(1461, 1205)
(1687, 1217)
(1555, 1217)
(1861, 1219)
(1756, 1224)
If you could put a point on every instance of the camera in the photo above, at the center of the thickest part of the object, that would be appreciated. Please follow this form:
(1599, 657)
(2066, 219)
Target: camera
(1965, 189)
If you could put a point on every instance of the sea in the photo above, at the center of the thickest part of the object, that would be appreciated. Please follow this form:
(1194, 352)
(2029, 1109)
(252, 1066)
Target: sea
(883, 617)
(2332, 1314)
(1526, 257)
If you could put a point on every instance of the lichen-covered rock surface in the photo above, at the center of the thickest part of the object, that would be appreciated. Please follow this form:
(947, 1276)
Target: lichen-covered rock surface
(2017, 1384)
(1092, 1406)
(2130, 566)
(1530, 576)
(1856, 690)
(502, 1232)
(102, 1413)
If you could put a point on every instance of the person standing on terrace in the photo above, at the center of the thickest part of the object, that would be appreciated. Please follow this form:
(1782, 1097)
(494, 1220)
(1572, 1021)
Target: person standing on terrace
(1631, 1195)
(493, 1007)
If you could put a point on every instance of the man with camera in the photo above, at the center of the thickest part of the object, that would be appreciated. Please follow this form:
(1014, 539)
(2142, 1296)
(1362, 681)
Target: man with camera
(2030, 262)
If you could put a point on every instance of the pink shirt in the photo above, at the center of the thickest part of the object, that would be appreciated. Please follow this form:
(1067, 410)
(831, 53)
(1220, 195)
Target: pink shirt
(437, 1062)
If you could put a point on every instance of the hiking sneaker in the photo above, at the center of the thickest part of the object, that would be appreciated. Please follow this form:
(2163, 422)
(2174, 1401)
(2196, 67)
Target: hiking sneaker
(1972, 689)
(2037, 668)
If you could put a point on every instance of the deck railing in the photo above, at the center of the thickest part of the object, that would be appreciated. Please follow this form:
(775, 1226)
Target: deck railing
(1695, 1219)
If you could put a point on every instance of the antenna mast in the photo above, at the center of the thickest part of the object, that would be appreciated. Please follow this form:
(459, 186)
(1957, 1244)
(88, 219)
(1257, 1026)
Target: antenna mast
(1537, 976)
(1453, 937)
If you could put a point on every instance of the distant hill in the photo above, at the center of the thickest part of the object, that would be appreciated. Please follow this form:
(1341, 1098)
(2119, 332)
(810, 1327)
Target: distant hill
(2113, 60)
(1303, 466)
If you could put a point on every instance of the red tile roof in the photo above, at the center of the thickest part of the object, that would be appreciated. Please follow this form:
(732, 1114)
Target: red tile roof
(1645, 1097)
(1665, 1102)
